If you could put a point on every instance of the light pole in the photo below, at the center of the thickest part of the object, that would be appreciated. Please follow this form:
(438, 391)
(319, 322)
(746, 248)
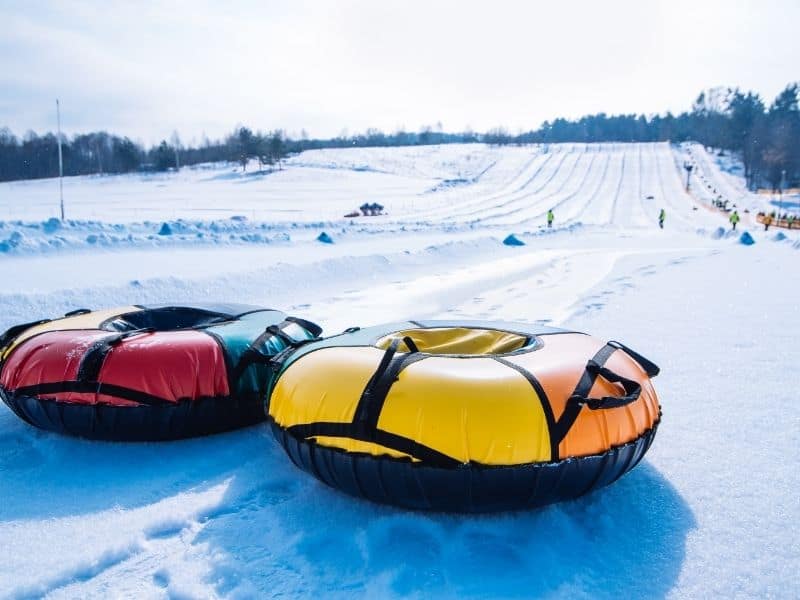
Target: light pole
(688, 166)
(780, 192)
(60, 161)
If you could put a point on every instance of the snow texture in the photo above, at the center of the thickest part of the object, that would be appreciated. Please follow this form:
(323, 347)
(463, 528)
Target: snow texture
(712, 511)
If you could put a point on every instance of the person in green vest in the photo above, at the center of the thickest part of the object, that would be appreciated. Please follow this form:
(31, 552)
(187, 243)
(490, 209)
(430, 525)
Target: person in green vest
(550, 217)
(661, 216)
(734, 219)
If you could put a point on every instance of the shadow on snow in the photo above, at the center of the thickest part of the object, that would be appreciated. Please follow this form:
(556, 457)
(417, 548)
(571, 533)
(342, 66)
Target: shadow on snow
(277, 530)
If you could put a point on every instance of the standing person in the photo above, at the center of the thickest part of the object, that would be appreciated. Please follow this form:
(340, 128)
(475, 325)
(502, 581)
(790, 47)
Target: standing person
(767, 221)
(734, 219)
(661, 216)
(550, 217)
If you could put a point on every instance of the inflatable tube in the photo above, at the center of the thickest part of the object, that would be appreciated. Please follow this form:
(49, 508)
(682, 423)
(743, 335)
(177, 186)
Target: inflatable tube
(146, 372)
(468, 416)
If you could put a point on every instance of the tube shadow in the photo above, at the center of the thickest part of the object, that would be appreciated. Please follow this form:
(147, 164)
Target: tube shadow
(45, 475)
(627, 540)
(278, 529)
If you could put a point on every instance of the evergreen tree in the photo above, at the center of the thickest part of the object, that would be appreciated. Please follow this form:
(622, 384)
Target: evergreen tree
(163, 156)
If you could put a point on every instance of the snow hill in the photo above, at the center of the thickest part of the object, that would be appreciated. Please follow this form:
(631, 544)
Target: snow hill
(712, 511)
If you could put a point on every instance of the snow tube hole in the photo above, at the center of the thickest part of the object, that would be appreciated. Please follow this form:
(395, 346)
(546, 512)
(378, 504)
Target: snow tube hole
(171, 318)
(459, 340)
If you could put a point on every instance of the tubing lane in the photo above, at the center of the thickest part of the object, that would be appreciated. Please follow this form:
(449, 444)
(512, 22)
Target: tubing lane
(615, 202)
(590, 198)
(466, 208)
(668, 196)
(540, 200)
(584, 208)
(648, 216)
(639, 215)
(480, 198)
(517, 198)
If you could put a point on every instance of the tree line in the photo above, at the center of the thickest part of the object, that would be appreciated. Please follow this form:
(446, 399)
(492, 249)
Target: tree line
(767, 138)
(36, 156)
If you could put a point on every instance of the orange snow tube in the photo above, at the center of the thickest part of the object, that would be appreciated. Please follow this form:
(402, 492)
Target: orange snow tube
(465, 416)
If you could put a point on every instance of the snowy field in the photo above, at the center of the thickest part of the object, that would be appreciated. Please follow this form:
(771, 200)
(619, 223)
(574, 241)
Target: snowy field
(712, 511)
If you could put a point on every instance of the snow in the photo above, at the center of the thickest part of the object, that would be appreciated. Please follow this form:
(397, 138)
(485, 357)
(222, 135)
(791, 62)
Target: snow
(723, 176)
(711, 512)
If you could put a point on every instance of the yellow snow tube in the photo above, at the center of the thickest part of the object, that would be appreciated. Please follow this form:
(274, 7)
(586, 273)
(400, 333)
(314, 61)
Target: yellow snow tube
(465, 416)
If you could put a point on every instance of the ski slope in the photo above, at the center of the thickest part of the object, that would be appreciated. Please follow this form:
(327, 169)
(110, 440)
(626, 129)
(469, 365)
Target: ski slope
(711, 512)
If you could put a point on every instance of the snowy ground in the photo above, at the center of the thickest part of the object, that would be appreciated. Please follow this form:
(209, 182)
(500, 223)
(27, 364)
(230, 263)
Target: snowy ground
(712, 511)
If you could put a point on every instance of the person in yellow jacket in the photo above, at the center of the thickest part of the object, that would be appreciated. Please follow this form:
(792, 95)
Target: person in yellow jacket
(550, 217)
(767, 222)
(734, 219)
(661, 216)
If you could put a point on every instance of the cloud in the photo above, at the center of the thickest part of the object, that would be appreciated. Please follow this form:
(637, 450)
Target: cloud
(146, 69)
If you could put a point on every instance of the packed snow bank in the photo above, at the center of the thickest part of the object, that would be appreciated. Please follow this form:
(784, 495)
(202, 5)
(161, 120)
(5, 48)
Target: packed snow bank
(23, 237)
(281, 277)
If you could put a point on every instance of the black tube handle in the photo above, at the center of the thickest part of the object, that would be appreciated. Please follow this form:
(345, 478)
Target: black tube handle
(651, 368)
(412, 347)
(312, 328)
(632, 389)
(126, 334)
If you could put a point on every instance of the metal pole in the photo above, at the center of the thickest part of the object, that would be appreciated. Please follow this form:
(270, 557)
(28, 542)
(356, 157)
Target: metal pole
(60, 161)
(780, 193)
(688, 168)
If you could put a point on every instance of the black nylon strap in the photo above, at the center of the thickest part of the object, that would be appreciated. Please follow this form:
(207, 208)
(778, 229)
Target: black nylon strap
(373, 398)
(364, 412)
(78, 311)
(95, 356)
(632, 389)
(423, 453)
(314, 329)
(573, 408)
(276, 362)
(412, 347)
(253, 355)
(649, 366)
(90, 387)
(11, 333)
(280, 333)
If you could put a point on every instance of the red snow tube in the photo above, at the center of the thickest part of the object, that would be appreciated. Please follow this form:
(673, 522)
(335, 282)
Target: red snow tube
(146, 372)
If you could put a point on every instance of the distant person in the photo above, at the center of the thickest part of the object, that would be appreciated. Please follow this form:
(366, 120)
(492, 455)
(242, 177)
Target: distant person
(550, 217)
(790, 221)
(767, 221)
(661, 216)
(734, 219)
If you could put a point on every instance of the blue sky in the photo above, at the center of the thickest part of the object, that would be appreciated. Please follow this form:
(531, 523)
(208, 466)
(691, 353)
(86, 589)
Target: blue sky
(202, 67)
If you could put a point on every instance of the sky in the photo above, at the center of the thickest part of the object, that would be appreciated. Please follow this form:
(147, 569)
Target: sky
(203, 67)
